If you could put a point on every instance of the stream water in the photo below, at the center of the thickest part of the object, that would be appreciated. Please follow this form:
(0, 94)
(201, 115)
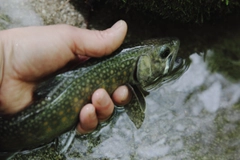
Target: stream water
(194, 117)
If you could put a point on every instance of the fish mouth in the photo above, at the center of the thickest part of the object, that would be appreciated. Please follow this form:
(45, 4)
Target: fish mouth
(177, 63)
(168, 65)
(173, 64)
(178, 67)
(171, 60)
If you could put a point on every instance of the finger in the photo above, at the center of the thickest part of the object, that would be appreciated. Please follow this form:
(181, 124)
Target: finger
(55, 46)
(98, 43)
(122, 95)
(88, 119)
(103, 104)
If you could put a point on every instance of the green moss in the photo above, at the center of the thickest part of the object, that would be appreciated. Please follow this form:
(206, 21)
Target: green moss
(4, 21)
(197, 11)
(226, 57)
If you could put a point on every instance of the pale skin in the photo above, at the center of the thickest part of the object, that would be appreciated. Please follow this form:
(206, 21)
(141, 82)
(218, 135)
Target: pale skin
(29, 54)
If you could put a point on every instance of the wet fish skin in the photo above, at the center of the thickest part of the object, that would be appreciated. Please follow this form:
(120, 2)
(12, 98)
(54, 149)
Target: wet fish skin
(58, 111)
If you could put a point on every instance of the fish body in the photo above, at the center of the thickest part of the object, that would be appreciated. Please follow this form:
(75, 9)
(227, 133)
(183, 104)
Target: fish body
(57, 111)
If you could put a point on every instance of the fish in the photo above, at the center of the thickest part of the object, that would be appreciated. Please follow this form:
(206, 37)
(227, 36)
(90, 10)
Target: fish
(142, 67)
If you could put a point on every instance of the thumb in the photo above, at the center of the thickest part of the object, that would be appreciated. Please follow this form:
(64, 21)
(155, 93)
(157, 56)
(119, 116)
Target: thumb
(30, 58)
(98, 43)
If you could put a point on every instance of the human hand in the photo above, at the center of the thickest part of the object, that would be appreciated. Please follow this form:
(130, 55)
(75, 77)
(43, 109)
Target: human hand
(29, 54)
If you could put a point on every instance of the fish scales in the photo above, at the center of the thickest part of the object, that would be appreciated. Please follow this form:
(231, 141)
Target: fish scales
(58, 112)
(62, 112)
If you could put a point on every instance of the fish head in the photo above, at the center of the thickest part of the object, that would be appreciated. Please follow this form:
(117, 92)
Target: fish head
(157, 62)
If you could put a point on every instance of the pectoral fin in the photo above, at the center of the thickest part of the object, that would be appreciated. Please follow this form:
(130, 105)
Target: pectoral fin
(136, 108)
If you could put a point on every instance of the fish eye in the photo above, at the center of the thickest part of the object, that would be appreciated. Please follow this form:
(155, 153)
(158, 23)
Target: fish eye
(164, 52)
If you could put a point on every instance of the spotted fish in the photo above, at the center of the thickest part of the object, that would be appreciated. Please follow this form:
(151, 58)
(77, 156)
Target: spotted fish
(141, 67)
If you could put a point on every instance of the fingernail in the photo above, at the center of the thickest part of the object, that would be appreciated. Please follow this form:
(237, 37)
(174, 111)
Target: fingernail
(92, 113)
(118, 24)
(102, 99)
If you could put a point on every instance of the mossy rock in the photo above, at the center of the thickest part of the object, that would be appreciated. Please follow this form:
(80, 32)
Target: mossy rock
(186, 11)
(226, 57)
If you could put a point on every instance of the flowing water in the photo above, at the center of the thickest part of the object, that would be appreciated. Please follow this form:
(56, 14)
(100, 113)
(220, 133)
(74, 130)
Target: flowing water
(194, 117)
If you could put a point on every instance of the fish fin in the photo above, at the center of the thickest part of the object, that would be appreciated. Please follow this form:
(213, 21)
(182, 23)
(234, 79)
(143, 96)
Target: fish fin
(136, 108)
(64, 141)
